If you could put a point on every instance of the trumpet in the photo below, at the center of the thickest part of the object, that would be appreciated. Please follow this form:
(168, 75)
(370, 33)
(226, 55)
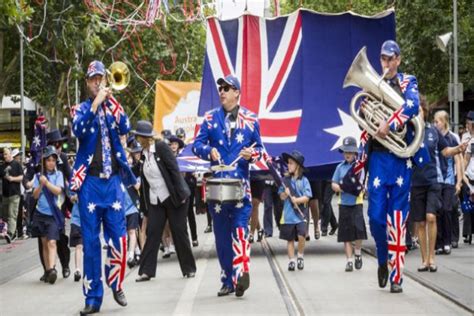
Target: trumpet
(381, 102)
(118, 75)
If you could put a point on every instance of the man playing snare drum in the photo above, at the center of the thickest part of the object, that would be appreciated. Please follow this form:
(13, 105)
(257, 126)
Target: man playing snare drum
(227, 133)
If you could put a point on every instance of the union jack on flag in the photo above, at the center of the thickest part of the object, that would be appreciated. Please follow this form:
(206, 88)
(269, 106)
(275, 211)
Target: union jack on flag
(78, 177)
(241, 248)
(115, 108)
(396, 245)
(115, 264)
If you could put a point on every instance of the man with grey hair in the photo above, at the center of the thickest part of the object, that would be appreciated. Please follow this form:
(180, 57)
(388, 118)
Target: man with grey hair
(12, 175)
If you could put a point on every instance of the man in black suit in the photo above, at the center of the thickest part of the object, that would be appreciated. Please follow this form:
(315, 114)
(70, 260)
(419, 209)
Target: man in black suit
(164, 196)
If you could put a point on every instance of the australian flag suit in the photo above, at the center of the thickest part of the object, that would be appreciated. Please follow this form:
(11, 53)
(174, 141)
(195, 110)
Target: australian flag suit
(101, 199)
(231, 219)
(390, 176)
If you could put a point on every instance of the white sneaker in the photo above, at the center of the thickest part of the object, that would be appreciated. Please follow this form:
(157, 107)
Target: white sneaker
(172, 249)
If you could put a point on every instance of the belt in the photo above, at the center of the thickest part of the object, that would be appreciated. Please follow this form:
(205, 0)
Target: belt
(101, 175)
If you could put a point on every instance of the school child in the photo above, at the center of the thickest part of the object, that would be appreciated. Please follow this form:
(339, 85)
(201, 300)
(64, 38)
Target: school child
(48, 218)
(295, 192)
(351, 217)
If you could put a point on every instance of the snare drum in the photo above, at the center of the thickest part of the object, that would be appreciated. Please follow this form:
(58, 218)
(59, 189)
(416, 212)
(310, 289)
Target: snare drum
(223, 190)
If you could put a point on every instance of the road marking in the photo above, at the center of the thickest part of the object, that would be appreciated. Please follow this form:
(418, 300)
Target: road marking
(185, 304)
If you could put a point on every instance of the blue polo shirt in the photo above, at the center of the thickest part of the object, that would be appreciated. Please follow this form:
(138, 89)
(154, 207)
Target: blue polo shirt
(346, 198)
(302, 188)
(56, 178)
(433, 172)
(447, 163)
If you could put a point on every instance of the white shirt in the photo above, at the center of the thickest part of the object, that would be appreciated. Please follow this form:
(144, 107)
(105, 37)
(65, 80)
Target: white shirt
(158, 189)
(470, 163)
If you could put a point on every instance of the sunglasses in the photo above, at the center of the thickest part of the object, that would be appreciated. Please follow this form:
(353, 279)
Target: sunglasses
(225, 88)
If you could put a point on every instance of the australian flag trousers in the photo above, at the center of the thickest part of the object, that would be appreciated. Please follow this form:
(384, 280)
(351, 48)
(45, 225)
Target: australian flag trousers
(231, 232)
(389, 193)
(101, 201)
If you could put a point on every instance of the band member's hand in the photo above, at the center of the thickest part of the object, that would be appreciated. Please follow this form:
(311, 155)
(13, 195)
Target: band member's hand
(293, 200)
(462, 147)
(383, 130)
(215, 155)
(102, 95)
(458, 188)
(246, 153)
(43, 180)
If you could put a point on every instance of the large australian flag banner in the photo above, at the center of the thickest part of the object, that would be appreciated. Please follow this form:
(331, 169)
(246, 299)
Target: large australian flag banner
(292, 70)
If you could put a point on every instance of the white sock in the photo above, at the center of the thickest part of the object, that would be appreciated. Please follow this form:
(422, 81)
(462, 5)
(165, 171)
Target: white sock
(137, 251)
(300, 255)
(349, 259)
(292, 259)
(130, 254)
(358, 252)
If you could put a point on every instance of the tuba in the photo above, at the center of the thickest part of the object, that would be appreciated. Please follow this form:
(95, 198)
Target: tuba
(381, 102)
(118, 75)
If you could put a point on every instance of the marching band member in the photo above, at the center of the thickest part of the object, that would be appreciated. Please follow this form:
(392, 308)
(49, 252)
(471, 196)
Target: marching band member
(225, 134)
(100, 176)
(390, 176)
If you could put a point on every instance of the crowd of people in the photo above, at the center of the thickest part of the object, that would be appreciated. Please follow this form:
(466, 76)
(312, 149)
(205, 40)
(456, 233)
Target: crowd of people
(123, 192)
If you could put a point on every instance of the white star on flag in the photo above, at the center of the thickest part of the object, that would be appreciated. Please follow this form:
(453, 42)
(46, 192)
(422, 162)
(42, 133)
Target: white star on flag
(409, 164)
(420, 160)
(239, 205)
(410, 103)
(87, 284)
(91, 207)
(113, 125)
(400, 181)
(36, 141)
(119, 155)
(217, 208)
(92, 130)
(221, 142)
(116, 205)
(239, 138)
(376, 182)
(349, 127)
(89, 159)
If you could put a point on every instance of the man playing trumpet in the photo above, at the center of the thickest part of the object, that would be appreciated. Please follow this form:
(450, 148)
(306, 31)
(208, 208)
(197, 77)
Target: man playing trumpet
(99, 175)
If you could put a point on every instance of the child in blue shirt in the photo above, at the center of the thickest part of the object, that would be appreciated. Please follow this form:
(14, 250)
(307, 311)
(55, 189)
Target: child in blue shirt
(47, 217)
(75, 236)
(351, 216)
(293, 223)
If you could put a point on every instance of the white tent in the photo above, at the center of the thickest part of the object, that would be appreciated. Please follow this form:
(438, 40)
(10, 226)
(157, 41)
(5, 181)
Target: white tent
(12, 102)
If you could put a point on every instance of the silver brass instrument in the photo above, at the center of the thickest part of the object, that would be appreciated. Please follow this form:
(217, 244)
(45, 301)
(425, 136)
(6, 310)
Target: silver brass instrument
(118, 75)
(382, 101)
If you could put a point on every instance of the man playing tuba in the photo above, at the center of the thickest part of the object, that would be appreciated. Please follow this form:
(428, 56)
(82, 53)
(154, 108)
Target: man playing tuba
(390, 176)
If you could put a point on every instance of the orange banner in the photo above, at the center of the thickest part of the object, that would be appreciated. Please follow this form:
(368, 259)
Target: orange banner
(176, 105)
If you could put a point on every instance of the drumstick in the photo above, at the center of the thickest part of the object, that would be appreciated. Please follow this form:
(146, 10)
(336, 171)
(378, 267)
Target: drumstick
(238, 158)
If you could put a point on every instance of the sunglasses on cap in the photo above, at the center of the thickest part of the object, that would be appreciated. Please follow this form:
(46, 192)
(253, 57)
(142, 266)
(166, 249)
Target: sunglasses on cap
(225, 88)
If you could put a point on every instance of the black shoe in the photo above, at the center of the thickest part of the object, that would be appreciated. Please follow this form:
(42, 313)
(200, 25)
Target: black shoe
(439, 251)
(300, 263)
(291, 266)
(208, 229)
(396, 288)
(131, 262)
(333, 230)
(77, 276)
(317, 235)
(52, 276)
(225, 290)
(454, 244)
(89, 309)
(143, 278)
(119, 297)
(324, 233)
(307, 238)
(242, 284)
(43, 277)
(251, 239)
(66, 272)
(383, 275)
(349, 266)
(195, 243)
(358, 262)
(447, 250)
(189, 275)
(8, 239)
(260, 235)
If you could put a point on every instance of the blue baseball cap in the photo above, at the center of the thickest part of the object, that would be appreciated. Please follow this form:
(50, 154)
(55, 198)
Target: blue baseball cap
(390, 48)
(95, 68)
(230, 80)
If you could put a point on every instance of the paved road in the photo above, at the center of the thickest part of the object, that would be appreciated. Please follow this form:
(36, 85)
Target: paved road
(322, 288)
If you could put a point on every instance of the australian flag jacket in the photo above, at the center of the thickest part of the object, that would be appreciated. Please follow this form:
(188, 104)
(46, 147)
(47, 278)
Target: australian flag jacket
(86, 129)
(212, 134)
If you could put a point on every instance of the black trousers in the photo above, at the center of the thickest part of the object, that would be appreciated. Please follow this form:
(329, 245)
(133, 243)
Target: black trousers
(326, 211)
(271, 204)
(191, 216)
(157, 216)
(455, 221)
(443, 219)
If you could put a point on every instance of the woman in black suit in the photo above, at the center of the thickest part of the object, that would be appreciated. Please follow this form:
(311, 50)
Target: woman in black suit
(164, 195)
